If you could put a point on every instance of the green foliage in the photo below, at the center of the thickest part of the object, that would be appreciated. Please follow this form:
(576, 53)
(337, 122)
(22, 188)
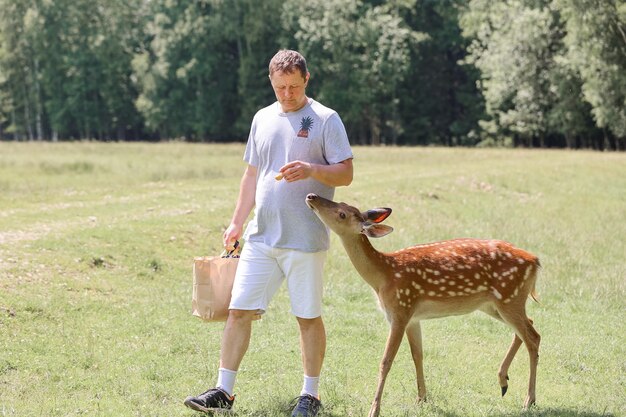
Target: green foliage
(95, 282)
(596, 41)
(186, 87)
(515, 57)
(66, 68)
(547, 73)
(538, 60)
(440, 103)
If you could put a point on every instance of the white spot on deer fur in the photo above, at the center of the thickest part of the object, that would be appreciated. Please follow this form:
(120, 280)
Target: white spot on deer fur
(481, 288)
(493, 255)
(527, 273)
(495, 275)
(452, 293)
(477, 275)
(431, 293)
(520, 261)
(442, 288)
(451, 283)
(437, 272)
(508, 300)
(407, 291)
(398, 275)
(497, 294)
(508, 254)
(503, 284)
(468, 290)
(416, 285)
(419, 272)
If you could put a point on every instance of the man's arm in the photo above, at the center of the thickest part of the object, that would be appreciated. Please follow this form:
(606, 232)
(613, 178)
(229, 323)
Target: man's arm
(245, 204)
(334, 175)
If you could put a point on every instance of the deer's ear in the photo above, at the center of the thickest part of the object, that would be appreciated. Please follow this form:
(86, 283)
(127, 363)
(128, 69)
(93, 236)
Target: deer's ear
(377, 215)
(376, 230)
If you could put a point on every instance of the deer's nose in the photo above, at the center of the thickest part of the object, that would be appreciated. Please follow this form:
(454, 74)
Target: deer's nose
(311, 197)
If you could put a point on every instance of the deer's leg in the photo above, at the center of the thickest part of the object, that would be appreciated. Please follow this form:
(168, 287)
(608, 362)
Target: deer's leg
(391, 349)
(524, 329)
(503, 372)
(414, 335)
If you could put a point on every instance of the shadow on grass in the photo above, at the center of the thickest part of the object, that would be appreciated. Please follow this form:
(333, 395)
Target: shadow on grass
(535, 412)
(282, 408)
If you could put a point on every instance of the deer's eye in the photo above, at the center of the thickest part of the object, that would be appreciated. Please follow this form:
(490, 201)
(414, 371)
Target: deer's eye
(342, 215)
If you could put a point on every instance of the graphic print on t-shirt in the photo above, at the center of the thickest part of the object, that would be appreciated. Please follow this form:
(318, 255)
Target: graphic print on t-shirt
(305, 125)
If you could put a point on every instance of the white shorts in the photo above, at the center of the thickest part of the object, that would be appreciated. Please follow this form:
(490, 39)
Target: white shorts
(261, 271)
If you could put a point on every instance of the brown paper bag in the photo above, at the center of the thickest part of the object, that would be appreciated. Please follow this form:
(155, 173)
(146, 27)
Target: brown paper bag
(213, 278)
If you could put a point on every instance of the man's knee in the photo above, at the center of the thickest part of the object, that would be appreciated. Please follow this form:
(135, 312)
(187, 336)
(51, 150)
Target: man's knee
(241, 315)
(314, 323)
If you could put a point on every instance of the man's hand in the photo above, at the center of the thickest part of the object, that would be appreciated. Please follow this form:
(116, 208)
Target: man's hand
(334, 175)
(231, 235)
(296, 171)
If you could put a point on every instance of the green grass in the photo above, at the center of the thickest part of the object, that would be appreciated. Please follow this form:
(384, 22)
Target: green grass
(97, 240)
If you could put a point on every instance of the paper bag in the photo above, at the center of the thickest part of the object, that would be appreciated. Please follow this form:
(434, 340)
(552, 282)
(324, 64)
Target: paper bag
(213, 278)
(212, 285)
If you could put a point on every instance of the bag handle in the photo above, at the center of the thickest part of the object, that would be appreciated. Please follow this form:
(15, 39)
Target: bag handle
(233, 253)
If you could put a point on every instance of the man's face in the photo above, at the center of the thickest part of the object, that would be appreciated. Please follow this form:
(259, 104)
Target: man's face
(290, 89)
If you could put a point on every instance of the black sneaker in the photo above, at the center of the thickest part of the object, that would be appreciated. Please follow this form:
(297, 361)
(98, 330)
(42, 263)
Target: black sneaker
(212, 400)
(307, 406)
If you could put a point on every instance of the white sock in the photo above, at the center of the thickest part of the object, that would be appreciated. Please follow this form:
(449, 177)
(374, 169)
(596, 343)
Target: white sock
(311, 386)
(226, 380)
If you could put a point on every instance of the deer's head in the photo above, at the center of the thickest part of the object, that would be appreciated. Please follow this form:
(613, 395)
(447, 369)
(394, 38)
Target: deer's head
(346, 220)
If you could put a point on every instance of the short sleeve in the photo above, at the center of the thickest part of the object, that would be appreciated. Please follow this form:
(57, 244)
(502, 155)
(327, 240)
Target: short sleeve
(251, 155)
(336, 143)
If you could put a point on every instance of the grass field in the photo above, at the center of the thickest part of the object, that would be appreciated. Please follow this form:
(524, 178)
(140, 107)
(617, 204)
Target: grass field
(97, 241)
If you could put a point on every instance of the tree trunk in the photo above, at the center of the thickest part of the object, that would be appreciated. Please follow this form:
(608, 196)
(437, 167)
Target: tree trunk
(29, 128)
(38, 107)
(375, 130)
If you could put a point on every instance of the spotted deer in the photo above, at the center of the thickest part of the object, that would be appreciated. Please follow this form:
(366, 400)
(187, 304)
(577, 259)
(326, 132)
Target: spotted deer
(440, 279)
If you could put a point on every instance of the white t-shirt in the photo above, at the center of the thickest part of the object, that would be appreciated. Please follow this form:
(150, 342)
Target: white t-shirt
(313, 134)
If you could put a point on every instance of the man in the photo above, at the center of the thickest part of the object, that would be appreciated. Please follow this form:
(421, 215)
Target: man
(296, 146)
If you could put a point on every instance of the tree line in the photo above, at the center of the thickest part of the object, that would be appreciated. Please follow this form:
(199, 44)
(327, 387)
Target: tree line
(534, 73)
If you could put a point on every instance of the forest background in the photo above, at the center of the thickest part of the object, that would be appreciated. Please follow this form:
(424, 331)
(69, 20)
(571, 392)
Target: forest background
(533, 73)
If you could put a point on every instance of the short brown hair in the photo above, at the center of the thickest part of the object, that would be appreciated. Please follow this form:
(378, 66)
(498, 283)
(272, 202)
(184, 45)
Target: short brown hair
(288, 61)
